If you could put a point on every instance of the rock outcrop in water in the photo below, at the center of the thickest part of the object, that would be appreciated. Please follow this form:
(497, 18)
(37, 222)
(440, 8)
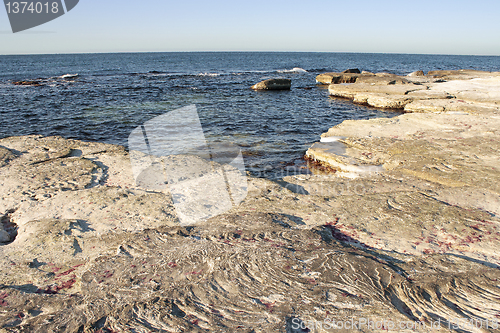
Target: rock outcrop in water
(57, 80)
(28, 83)
(352, 70)
(273, 84)
(409, 236)
(467, 91)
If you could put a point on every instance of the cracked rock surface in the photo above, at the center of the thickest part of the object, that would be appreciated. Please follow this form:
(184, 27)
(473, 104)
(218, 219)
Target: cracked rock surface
(408, 229)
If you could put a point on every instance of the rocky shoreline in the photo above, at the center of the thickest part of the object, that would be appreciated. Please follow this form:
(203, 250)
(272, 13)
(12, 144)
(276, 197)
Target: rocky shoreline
(407, 229)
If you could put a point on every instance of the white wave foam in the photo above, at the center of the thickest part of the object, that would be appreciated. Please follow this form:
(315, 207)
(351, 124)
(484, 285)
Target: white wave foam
(68, 76)
(209, 74)
(293, 70)
(251, 72)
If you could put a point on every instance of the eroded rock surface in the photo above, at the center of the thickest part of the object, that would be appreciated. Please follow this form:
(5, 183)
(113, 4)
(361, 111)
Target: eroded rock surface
(434, 168)
(407, 230)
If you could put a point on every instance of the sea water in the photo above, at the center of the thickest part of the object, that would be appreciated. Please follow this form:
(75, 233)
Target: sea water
(104, 97)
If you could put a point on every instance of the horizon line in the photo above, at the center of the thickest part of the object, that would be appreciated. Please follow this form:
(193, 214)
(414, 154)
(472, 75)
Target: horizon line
(233, 51)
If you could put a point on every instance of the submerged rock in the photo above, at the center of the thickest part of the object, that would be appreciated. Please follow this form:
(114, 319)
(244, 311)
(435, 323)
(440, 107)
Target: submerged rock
(28, 83)
(273, 84)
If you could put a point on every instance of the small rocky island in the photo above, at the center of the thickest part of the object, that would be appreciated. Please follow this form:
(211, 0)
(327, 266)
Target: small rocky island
(407, 229)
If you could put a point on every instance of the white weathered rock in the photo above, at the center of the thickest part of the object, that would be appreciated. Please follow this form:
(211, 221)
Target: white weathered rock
(417, 73)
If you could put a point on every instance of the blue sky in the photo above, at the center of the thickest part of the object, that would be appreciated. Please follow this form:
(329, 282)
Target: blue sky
(385, 26)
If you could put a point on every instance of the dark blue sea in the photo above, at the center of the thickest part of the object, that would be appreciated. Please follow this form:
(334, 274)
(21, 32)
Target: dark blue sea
(115, 93)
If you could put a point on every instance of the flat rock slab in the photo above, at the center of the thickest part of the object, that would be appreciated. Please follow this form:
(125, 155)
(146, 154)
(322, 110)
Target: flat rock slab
(449, 152)
(93, 250)
(394, 92)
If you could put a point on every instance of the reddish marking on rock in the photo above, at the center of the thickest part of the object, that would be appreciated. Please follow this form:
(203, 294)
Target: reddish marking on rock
(311, 281)
(49, 291)
(195, 322)
(476, 227)
(269, 306)
(172, 264)
(54, 267)
(65, 273)
(68, 284)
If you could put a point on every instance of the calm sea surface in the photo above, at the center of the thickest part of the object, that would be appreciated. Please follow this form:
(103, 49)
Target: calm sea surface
(115, 93)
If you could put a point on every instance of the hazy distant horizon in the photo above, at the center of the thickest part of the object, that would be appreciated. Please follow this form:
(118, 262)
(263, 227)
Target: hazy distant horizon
(339, 52)
(361, 26)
